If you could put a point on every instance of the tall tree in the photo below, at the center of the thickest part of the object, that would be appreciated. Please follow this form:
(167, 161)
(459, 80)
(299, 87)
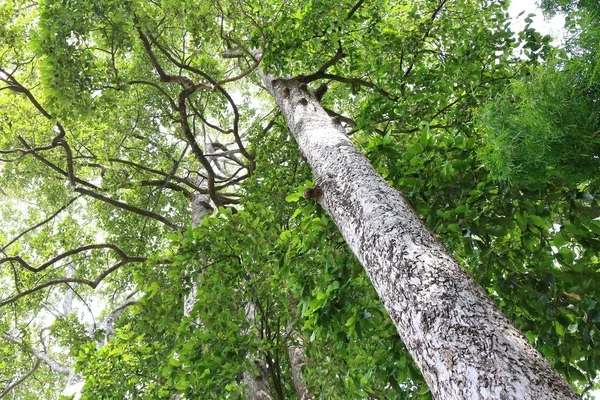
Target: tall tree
(461, 342)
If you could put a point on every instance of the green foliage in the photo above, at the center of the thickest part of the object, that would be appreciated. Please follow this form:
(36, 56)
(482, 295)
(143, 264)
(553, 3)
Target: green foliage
(500, 159)
(535, 251)
(544, 128)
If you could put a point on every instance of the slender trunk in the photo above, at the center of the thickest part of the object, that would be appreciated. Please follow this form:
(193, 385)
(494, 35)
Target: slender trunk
(257, 383)
(463, 344)
(200, 205)
(297, 358)
(257, 380)
(297, 362)
(75, 383)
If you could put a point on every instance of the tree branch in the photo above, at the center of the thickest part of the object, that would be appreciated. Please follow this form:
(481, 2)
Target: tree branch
(219, 88)
(127, 207)
(354, 9)
(189, 136)
(91, 283)
(352, 81)
(66, 254)
(59, 140)
(49, 361)
(154, 85)
(181, 107)
(56, 168)
(167, 185)
(40, 224)
(22, 379)
(162, 173)
(164, 77)
(339, 54)
(425, 36)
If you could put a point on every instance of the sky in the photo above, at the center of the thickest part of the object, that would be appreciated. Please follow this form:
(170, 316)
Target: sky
(553, 27)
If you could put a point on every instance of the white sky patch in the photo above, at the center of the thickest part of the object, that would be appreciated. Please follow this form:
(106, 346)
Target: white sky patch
(552, 27)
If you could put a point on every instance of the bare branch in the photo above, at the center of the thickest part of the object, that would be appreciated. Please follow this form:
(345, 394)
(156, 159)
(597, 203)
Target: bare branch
(219, 88)
(40, 224)
(339, 54)
(127, 207)
(91, 283)
(183, 96)
(425, 36)
(167, 185)
(54, 365)
(348, 121)
(66, 254)
(354, 9)
(352, 81)
(108, 321)
(164, 77)
(28, 151)
(17, 87)
(154, 85)
(56, 168)
(162, 173)
(22, 379)
(189, 136)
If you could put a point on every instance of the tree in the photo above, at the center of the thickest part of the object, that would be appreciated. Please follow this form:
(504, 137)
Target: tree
(460, 341)
(138, 149)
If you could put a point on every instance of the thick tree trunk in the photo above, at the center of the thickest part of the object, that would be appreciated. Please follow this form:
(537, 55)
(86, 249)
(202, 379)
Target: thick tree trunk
(463, 344)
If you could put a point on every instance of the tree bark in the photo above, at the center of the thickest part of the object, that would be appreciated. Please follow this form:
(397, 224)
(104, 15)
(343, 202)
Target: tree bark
(257, 383)
(257, 386)
(297, 362)
(257, 379)
(297, 358)
(463, 344)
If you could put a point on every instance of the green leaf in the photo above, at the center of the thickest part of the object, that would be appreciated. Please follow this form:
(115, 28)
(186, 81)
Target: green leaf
(538, 221)
(293, 197)
(558, 239)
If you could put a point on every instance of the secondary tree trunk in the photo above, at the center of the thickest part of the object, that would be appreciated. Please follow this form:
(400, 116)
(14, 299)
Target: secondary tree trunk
(297, 362)
(297, 358)
(256, 380)
(463, 344)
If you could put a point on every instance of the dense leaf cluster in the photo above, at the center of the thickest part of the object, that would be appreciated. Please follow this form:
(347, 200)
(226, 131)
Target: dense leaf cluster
(498, 153)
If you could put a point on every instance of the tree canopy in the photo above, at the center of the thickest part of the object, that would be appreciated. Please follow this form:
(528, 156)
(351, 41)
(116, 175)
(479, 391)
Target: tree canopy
(122, 123)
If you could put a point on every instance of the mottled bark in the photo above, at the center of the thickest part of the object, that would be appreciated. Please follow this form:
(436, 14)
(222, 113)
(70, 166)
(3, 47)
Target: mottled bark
(297, 363)
(200, 205)
(75, 383)
(463, 344)
(297, 358)
(257, 381)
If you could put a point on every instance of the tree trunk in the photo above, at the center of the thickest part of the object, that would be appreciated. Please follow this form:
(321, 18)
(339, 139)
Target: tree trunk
(297, 357)
(297, 362)
(463, 344)
(257, 383)
(257, 379)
